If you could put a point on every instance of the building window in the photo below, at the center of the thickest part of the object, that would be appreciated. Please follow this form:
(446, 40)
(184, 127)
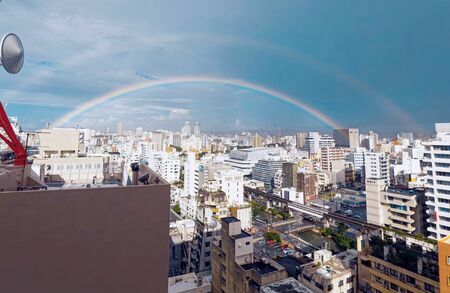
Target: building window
(207, 244)
(393, 273)
(410, 280)
(330, 287)
(429, 288)
(247, 243)
(349, 280)
(394, 287)
(341, 283)
(207, 264)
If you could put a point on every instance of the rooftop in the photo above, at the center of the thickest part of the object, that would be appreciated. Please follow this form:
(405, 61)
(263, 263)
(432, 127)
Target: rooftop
(403, 191)
(261, 267)
(243, 234)
(230, 220)
(338, 265)
(187, 282)
(286, 285)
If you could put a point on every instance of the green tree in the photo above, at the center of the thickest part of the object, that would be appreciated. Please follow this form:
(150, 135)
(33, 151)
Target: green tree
(176, 208)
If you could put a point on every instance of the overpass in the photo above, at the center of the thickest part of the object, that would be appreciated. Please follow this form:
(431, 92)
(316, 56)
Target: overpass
(312, 211)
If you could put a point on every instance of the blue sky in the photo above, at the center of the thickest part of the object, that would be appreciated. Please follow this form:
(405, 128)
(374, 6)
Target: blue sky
(379, 65)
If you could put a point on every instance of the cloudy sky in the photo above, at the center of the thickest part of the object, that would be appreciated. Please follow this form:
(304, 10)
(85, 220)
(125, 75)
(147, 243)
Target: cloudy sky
(381, 65)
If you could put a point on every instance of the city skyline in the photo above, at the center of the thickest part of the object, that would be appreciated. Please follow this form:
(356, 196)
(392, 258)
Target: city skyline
(354, 69)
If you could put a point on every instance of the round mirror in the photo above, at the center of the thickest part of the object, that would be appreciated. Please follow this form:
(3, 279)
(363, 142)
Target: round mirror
(11, 53)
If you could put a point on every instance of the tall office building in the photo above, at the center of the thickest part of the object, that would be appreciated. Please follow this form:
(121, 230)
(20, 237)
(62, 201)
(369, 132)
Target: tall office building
(437, 167)
(377, 166)
(265, 171)
(256, 141)
(300, 139)
(176, 139)
(370, 141)
(186, 130)
(119, 128)
(289, 175)
(346, 137)
(196, 129)
(315, 141)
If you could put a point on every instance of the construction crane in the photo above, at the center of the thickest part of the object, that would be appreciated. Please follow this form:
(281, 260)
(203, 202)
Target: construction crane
(10, 138)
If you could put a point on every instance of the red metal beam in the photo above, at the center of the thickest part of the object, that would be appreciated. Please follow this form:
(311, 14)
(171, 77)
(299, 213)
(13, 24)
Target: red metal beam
(10, 138)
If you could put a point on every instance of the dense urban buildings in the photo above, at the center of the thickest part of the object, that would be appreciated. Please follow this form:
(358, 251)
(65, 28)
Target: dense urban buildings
(248, 213)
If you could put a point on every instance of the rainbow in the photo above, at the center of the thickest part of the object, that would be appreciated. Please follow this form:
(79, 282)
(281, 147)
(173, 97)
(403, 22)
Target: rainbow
(193, 79)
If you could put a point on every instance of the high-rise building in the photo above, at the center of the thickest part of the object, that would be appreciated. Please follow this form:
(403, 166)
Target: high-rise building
(328, 155)
(256, 141)
(176, 139)
(232, 183)
(234, 267)
(401, 264)
(265, 171)
(346, 137)
(370, 141)
(314, 141)
(400, 209)
(437, 167)
(289, 174)
(300, 140)
(158, 138)
(306, 183)
(196, 129)
(408, 136)
(119, 129)
(186, 130)
(193, 175)
(377, 166)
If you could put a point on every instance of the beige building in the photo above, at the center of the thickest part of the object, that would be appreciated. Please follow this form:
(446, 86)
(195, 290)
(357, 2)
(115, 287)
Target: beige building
(234, 268)
(401, 209)
(76, 170)
(398, 265)
(329, 273)
(328, 155)
(59, 142)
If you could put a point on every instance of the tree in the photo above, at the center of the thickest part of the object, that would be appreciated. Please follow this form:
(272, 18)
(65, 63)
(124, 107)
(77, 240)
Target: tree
(176, 208)
(272, 236)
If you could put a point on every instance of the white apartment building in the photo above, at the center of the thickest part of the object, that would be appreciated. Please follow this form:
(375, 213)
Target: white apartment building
(315, 141)
(232, 183)
(165, 164)
(357, 158)
(193, 175)
(437, 167)
(245, 159)
(377, 166)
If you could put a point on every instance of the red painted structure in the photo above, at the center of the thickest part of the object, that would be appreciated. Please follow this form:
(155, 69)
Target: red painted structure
(11, 139)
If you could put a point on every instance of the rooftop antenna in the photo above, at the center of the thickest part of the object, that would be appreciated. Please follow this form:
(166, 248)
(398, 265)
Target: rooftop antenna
(11, 53)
